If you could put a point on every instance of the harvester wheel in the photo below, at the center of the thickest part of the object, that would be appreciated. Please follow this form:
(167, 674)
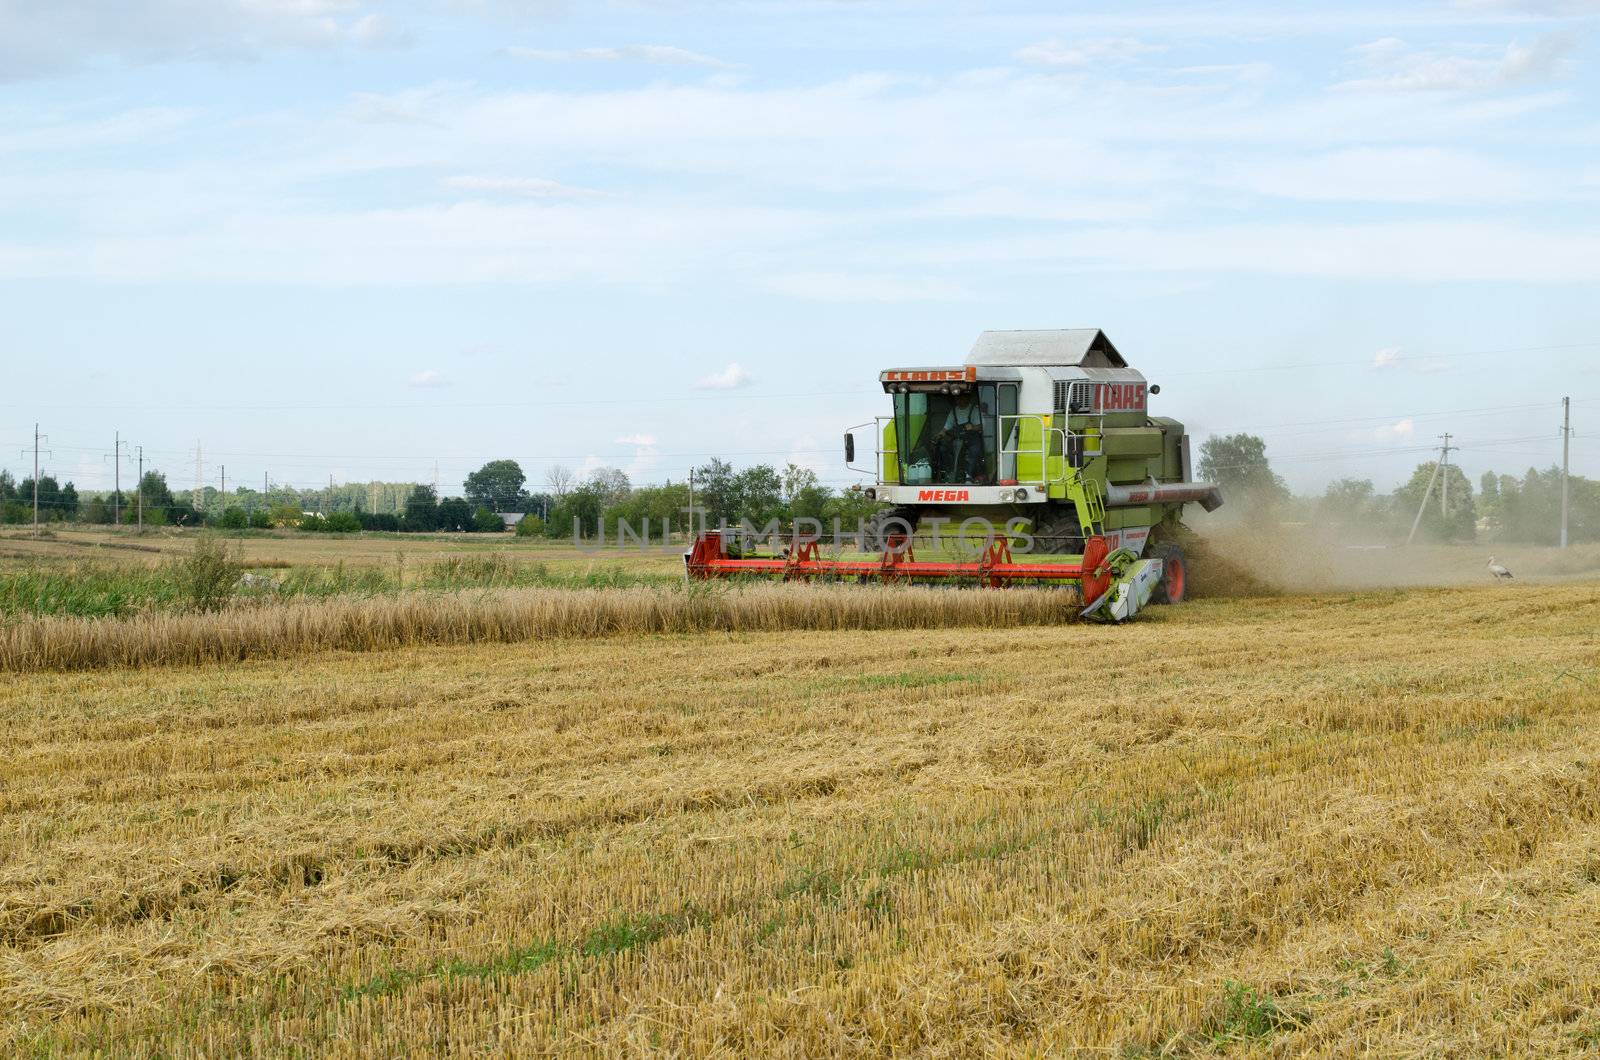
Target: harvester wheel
(1174, 574)
(880, 529)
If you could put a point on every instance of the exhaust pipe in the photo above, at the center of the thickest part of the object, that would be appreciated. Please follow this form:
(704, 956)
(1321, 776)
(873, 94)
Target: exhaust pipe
(1209, 496)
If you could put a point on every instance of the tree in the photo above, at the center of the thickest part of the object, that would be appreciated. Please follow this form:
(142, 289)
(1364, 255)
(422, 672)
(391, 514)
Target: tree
(387, 521)
(1491, 507)
(455, 514)
(612, 483)
(486, 522)
(1347, 500)
(496, 486)
(1528, 509)
(153, 493)
(714, 491)
(811, 502)
(530, 525)
(1457, 523)
(8, 486)
(285, 514)
(68, 504)
(584, 505)
(758, 494)
(97, 511)
(655, 507)
(422, 509)
(1238, 463)
(233, 519)
(797, 480)
(560, 480)
(342, 522)
(851, 508)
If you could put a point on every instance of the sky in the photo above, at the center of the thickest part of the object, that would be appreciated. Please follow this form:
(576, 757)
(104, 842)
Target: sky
(394, 239)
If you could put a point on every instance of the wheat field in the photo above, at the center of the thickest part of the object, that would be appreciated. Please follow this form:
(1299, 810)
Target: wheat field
(1315, 825)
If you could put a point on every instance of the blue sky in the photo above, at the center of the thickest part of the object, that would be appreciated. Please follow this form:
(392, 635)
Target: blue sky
(361, 237)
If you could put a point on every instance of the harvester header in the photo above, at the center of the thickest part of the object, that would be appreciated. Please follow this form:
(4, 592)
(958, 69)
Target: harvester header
(1042, 437)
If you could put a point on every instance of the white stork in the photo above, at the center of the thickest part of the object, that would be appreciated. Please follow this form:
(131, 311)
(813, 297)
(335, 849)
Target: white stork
(1497, 570)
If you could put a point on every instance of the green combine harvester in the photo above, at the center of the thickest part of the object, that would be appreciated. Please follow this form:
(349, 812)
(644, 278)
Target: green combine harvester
(1041, 446)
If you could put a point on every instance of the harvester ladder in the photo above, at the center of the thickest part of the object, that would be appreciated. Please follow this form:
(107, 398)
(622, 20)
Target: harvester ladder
(1090, 503)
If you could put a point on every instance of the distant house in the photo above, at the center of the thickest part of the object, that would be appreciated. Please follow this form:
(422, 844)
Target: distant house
(511, 519)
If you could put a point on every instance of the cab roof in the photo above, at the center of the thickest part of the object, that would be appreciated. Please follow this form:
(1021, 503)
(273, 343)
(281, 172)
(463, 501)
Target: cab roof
(1080, 347)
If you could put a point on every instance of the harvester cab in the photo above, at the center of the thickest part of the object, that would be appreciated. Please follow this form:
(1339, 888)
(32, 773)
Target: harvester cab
(1037, 459)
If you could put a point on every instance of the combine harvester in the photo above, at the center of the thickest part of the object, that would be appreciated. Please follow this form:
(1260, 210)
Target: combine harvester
(1043, 440)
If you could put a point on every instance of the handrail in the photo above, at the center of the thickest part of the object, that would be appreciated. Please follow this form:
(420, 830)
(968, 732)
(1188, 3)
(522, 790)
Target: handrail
(1042, 449)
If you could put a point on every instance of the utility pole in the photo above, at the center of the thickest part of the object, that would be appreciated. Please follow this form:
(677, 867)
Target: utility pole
(140, 504)
(35, 480)
(24, 452)
(1567, 437)
(1424, 505)
(1444, 495)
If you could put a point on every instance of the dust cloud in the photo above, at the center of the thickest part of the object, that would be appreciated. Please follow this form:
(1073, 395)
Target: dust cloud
(1244, 561)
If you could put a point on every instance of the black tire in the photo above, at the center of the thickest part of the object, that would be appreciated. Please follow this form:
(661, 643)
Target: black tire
(1174, 583)
(878, 528)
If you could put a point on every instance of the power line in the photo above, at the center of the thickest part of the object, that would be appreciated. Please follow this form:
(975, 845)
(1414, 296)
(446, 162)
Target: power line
(1368, 362)
(746, 396)
(428, 458)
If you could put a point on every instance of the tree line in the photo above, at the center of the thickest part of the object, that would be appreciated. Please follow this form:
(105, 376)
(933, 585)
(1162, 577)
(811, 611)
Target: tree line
(1518, 509)
(567, 500)
(1513, 508)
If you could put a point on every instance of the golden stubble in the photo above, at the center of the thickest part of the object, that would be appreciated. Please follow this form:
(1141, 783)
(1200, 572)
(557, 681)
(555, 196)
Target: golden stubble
(1291, 825)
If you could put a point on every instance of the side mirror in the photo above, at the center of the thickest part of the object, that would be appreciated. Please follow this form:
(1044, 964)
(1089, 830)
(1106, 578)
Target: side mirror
(849, 448)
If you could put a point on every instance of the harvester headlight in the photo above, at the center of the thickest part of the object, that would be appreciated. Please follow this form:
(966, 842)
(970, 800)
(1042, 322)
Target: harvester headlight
(1020, 495)
(872, 494)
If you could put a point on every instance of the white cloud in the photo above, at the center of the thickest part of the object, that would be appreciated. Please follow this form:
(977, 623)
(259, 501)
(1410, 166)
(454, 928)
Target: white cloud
(842, 287)
(1391, 356)
(1426, 251)
(1243, 73)
(44, 37)
(1393, 174)
(645, 460)
(428, 377)
(643, 440)
(1400, 431)
(785, 189)
(525, 187)
(730, 378)
(803, 452)
(659, 54)
(1098, 51)
(378, 31)
(1394, 65)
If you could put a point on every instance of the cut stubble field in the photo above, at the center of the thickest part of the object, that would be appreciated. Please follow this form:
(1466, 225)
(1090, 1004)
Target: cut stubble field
(1319, 824)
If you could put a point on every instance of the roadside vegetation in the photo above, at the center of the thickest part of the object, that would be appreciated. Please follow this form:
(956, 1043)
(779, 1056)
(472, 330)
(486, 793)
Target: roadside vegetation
(207, 573)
